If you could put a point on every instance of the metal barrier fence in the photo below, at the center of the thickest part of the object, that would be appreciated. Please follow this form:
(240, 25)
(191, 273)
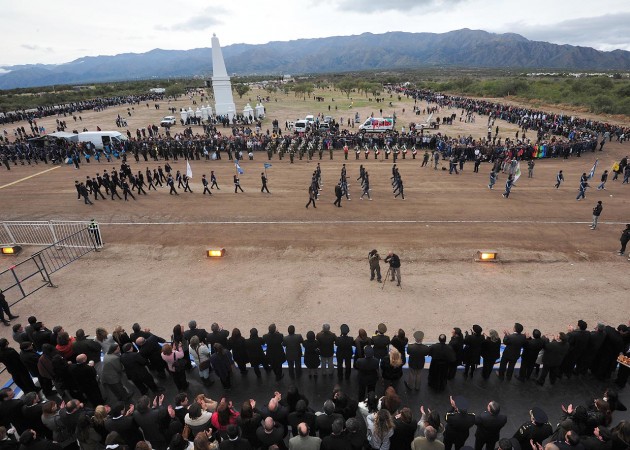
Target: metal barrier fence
(21, 280)
(45, 233)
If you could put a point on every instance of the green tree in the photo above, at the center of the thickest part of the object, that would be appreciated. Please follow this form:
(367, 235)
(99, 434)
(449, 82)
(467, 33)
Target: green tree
(346, 86)
(241, 89)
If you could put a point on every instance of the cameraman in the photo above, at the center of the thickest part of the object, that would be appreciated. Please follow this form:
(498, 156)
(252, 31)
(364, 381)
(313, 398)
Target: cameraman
(375, 266)
(394, 266)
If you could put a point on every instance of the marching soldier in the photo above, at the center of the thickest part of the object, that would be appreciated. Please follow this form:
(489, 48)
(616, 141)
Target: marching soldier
(204, 181)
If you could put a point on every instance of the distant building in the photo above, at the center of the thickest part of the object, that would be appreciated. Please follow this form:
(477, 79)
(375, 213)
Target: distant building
(157, 90)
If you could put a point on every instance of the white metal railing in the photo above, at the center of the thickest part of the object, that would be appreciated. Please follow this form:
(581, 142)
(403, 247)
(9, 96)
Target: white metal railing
(46, 233)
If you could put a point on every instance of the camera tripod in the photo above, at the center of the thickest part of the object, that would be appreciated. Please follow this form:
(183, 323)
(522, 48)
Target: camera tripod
(386, 279)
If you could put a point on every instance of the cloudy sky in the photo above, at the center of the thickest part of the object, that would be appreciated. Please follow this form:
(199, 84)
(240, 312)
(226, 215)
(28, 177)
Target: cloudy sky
(41, 31)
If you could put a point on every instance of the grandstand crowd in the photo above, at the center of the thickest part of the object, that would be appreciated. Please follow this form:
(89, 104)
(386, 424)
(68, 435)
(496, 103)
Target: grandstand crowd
(108, 392)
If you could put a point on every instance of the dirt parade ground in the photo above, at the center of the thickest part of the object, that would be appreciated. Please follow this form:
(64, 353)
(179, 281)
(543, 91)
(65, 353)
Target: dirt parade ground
(291, 265)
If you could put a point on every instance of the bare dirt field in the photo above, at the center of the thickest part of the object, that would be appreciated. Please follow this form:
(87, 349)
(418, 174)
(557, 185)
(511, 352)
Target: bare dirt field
(289, 265)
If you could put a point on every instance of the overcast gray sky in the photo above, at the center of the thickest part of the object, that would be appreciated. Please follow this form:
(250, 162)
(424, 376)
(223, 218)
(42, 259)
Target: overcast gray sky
(41, 31)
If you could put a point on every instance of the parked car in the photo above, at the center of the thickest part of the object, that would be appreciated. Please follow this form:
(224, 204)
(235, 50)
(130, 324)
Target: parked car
(168, 121)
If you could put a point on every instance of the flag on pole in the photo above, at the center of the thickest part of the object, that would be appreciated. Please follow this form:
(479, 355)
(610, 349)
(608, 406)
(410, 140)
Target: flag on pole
(517, 172)
(267, 165)
(238, 167)
(592, 174)
(188, 170)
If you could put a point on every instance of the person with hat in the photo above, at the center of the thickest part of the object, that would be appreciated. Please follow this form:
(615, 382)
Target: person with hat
(417, 353)
(537, 429)
(375, 266)
(12, 362)
(344, 345)
(489, 424)
(513, 344)
(458, 423)
(381, 342)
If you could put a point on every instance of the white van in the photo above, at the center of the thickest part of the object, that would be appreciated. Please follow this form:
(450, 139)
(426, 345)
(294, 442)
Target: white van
(377, 125)
(102, 138)
(300, 126)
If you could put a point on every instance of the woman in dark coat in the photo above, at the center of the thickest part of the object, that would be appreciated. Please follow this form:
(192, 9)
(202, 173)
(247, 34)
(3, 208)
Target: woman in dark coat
(311, 354)
(255, 352)
(400, 342)
(472, 350)
(236, 344)
(490, 352)
(360, 342)
(222, 363)
(249, 421)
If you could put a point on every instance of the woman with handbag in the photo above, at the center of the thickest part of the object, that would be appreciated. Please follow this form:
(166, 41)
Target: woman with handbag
(201, 354)
(173, 356)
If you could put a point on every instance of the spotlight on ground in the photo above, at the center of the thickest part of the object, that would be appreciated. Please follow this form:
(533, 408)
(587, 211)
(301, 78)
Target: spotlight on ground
(215, 252)
(11, 250)
(486, 255)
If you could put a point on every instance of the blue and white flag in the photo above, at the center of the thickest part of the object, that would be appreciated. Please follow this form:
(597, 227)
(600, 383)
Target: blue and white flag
(592, 174)
(267, 165)
(238, 167)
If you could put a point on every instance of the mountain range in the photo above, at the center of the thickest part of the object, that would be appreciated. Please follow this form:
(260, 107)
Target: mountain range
(393, 50)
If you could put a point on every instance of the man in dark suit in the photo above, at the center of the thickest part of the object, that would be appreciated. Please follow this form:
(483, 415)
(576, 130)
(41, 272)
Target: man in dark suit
(234, 440)
(89, 347)
(275, 350)
(302, 415)
(513, 344)
(32, 412)
(344, 352)
(136, 369)
(121, 421)
(578, 346)
(85, 378)
(489, 424)
(279, 413)
(417, 352)
(368, 372)
(194, 331)
(532, 347)
(441, 356)
(555, 351)
(40, 336)
(139, 332)
(326, 339)
(293, 347)
(151, 350)
(325, 421)
(153, 421)
(69, 416)
(217, 336)
(11, 360)
(336, 440)
(11, 411)
(458, 424)
(29, 358)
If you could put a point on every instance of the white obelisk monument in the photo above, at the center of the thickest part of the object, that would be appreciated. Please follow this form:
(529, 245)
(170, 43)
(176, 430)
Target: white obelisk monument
(221, 83)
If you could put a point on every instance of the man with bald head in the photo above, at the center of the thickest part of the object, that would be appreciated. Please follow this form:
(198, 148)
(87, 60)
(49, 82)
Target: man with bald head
(303, 441)
(277, 412)
(84, 376)
(271, 433)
